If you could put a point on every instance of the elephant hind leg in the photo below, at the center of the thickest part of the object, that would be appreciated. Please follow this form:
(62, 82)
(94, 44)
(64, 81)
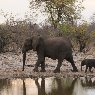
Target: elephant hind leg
(90, 69)
(57, 70)
(70, 59)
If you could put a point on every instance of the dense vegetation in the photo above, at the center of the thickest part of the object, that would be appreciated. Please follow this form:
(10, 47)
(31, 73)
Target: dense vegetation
(63, 17)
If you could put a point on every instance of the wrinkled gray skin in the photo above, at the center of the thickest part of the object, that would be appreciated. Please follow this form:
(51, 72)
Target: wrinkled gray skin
(89, 64)
(55, 48)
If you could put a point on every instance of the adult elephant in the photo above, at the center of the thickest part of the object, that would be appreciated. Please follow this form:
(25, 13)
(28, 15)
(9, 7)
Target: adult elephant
(55, 48)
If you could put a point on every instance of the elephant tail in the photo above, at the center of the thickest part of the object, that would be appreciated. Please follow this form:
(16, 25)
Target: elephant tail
(72, 47)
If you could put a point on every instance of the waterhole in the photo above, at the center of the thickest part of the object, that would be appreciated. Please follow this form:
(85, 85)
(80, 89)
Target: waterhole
(48, 86)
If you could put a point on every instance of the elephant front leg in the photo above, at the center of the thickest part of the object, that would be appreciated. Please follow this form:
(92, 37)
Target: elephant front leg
(42, 62)
(43, 67)
(57, 70)
(36, 66)
(86, 68)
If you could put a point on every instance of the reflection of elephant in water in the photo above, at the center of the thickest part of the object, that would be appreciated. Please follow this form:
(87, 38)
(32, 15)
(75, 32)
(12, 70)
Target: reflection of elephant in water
(41, 89)
(63, 88)
(57, 87)
(89, 82)
(24, 88)
(56, 48)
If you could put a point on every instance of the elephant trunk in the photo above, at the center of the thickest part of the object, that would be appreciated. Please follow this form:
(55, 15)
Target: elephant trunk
(81, 67)
(24, 58)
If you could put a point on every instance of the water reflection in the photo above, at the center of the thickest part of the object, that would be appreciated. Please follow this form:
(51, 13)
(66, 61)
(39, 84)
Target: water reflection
(48, 86)
(88, 82)
(24, 88)
(41, 89)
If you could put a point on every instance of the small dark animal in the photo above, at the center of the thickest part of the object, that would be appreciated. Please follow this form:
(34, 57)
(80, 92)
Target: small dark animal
(55, 48)
(89, 64)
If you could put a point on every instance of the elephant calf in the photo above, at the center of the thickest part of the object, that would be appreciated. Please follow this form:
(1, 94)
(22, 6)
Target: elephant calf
(89, 64)
(55, 48)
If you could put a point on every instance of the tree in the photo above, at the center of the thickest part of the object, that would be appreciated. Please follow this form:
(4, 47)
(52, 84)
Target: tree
(82, 35)
(60, 11)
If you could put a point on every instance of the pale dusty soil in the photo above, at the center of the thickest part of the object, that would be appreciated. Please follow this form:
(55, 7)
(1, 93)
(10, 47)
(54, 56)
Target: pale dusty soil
(11, 66)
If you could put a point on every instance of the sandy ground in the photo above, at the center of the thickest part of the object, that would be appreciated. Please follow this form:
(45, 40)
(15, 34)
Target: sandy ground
(11, 66)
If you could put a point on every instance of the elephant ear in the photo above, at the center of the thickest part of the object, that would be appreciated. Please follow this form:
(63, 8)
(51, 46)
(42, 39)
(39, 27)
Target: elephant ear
(36, 42)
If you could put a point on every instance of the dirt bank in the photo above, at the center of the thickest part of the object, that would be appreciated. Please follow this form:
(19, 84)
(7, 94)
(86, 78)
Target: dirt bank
(11, 66)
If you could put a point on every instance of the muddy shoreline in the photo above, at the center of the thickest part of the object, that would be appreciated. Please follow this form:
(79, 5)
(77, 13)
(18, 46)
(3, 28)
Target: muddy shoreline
(11, 66)
(17, 73)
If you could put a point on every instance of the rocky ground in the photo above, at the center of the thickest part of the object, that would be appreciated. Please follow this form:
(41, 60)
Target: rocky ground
(11, 65)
